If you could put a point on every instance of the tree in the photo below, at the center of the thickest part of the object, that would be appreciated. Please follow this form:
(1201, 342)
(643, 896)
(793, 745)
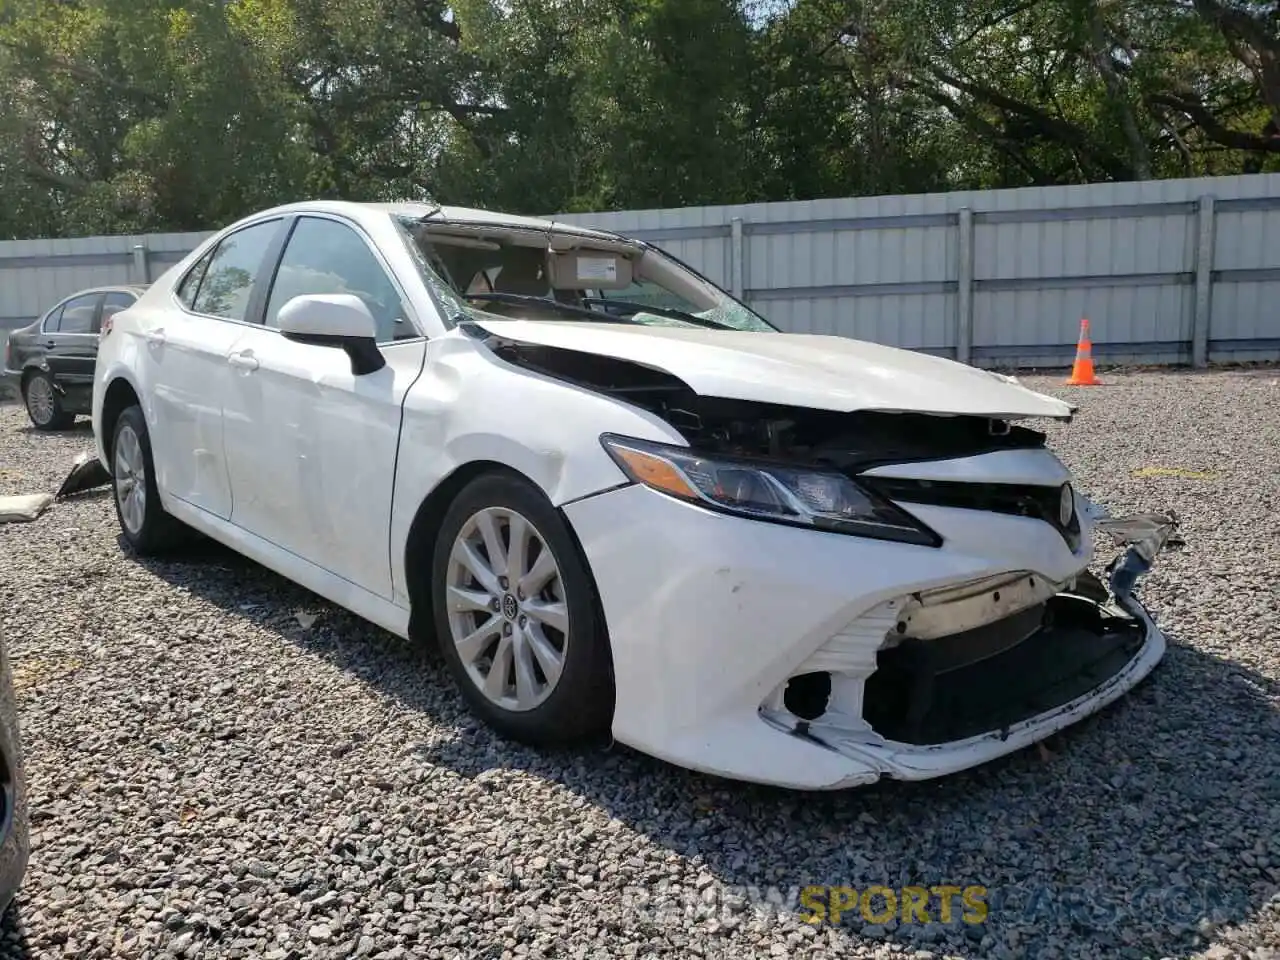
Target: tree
(132, 115)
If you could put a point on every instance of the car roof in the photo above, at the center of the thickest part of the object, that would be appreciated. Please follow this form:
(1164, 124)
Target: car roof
(414, 209)
(138, 288)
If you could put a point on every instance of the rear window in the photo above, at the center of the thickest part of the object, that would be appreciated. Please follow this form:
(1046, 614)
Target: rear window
(220, 285)
(76, 316)
(191, 282)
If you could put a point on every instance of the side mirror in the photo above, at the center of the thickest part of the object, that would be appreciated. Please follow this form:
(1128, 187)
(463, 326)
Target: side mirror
(334, 320)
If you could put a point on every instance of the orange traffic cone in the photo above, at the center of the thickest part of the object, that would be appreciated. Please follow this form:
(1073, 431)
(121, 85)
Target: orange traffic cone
(1082, 370)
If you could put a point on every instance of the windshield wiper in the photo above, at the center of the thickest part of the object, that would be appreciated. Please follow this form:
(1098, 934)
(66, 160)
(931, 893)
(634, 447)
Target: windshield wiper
(595, 315)
(671, 312)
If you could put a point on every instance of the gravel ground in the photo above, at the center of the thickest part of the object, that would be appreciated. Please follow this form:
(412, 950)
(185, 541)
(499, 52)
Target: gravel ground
(213, 775)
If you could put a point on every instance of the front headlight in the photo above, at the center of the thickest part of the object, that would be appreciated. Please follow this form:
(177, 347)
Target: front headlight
(766, 491)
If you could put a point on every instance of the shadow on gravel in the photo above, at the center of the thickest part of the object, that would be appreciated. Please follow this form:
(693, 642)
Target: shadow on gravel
(13, 935)
(82, 427)
(1144, 830)
(90, 496)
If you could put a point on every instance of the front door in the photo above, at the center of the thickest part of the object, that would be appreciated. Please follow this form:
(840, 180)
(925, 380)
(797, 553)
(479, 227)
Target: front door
(188, 370)
(311, 447)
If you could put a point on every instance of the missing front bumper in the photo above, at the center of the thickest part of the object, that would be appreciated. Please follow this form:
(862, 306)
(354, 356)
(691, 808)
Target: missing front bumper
(928, 692)
(934, 704)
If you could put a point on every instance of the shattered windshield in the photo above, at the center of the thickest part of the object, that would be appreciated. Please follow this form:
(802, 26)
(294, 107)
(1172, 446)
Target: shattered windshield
(498, 272)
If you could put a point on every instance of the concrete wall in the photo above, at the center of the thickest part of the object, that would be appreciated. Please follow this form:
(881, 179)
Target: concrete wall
(1171, 271)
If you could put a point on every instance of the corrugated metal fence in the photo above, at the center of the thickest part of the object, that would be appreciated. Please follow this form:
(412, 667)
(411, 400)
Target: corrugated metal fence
(35, 274)
(1171, 271)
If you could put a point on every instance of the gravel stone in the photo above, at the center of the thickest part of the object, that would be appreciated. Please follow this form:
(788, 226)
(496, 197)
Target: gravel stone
(222, 765)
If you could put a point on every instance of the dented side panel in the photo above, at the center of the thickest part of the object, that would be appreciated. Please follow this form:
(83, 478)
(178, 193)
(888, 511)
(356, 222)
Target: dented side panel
(470, 406)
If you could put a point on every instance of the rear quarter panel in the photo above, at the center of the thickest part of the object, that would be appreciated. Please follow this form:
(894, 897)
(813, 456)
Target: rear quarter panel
(118, 358)
(25, 348)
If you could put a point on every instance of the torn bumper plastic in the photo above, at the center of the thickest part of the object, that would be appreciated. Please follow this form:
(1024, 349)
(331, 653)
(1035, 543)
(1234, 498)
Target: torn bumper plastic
(939, 702)
(86, 473)
(716, 627)
(1145, 535)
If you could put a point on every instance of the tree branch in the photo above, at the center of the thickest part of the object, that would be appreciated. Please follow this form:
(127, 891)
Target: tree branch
(84, 74)
(1179, 142)
(1139, 151)
(1213, 128)
(430, 15)
(37, 171)
(1251, 43)
(999, 138)
(994, 21)
(1049, 126)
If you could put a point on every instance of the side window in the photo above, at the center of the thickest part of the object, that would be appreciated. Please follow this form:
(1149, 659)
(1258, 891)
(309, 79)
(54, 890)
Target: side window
(225, 288)
(113, 303)
(51, 322)
(324, 256)
(190, 284)
(78, 314)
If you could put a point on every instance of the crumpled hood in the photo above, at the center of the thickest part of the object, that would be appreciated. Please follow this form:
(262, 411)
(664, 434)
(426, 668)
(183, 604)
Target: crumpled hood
(796, 369)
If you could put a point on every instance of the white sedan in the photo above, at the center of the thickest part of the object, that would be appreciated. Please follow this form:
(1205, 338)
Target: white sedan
(619, 500)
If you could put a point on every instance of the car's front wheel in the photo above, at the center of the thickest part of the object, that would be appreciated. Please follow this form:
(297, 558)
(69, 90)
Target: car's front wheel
(517, 618)
(147, 527)
(44, 407)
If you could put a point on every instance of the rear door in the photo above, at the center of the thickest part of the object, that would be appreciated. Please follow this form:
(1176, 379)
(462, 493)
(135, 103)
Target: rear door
(71, 339)
(188, 371)
(311, 448)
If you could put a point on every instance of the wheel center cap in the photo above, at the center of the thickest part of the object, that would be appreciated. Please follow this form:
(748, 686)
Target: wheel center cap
(510, 609)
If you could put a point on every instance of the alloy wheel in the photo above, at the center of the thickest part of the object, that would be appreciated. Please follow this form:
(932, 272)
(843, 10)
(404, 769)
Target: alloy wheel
(40, 400)
(506, 605)
(130, 480)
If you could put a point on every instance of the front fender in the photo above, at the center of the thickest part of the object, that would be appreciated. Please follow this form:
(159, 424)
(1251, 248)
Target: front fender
(563, 474)
(470, 407)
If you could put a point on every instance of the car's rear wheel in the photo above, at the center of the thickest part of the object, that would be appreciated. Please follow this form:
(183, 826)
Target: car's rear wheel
(517, 618)
(44, 407)
(146, 527)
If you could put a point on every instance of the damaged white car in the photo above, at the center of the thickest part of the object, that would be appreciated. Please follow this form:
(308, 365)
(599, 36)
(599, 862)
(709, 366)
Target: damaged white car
(620, 501)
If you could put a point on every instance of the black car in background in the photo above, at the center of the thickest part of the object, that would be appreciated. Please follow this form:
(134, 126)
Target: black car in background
(50, 361)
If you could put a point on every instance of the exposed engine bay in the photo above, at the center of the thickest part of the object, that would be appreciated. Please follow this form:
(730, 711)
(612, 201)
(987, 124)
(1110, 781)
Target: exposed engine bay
(846, 442)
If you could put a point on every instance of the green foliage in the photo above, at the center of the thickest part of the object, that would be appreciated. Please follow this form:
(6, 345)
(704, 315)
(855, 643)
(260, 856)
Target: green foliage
(134, 115)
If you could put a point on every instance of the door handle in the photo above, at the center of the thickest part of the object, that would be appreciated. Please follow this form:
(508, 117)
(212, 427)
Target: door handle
(50, 344)
(244, 359)
(155, 337)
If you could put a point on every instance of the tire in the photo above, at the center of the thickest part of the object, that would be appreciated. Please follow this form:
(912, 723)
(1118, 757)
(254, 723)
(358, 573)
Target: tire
(145, 525)
(44, 406)
(561, 707)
